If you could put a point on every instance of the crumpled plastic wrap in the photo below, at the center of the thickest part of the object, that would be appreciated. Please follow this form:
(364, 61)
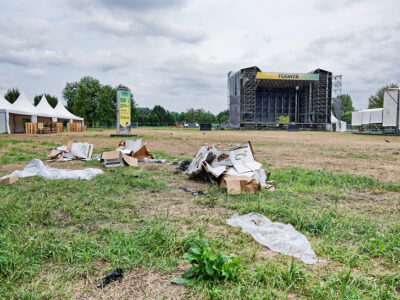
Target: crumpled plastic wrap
(37, 168)
(278, 237)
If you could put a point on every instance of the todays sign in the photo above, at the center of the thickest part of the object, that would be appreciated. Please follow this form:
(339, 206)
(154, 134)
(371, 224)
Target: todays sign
(287, 76)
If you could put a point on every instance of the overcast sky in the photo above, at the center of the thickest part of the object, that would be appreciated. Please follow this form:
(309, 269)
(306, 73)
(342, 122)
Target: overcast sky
(177, 53)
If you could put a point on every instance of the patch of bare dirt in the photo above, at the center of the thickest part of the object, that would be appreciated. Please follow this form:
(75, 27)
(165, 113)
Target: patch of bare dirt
(138, 284)
(373, 203)
(340, 152)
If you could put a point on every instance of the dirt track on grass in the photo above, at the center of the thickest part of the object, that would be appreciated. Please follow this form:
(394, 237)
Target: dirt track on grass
(339, 152)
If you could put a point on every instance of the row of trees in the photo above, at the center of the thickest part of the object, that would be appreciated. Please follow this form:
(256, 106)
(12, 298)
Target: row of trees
(97, 104)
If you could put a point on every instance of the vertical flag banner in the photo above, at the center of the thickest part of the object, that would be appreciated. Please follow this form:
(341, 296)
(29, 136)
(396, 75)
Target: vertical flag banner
(124, 107)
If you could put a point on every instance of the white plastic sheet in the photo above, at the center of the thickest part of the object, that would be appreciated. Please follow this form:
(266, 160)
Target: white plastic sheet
(37, 168)
(278, 237)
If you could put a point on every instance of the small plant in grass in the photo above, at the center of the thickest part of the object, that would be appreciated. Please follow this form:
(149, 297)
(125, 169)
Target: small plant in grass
(208, 267)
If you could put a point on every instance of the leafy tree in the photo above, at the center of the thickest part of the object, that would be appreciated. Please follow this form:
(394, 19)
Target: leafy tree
(223, 116)
(144, 111)
(51, 99)
(161, 113)
(80, 103)
(376, 101)
(12, 95)
(71, 92)
(181, 117)
(106, 113)
(347, 108)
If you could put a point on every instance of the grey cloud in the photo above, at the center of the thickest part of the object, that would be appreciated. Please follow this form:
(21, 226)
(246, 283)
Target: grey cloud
(130, 5)
(143, 4)
(35, 72)
(140, 27)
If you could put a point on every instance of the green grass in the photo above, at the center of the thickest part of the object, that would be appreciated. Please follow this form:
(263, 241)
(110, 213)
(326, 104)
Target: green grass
(57, 233)
(168, 157)
(23, 150)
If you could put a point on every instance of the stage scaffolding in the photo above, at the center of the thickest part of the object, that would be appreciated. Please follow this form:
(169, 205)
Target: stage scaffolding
(274, 103)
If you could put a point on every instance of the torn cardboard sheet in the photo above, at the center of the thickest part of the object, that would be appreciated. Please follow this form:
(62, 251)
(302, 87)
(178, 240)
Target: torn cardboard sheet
(82, 150)
(278, 237)
(72, 151)
(136, 149)
(244, 172)
(142, 153)
(130, 161)
(9, 179)
(235, 184)
(37, 168)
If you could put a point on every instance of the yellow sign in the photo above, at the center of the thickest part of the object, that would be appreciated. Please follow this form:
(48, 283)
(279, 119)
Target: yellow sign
(287, 76)
(124, 108)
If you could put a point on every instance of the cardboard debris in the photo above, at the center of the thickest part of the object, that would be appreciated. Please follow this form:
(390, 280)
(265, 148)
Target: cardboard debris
(129, 152)
(130, 161)
(69, 144)
(235, 184)
(236, 169)
(73, 150)
(112, 159)
(54, 154)
(9, 179)
(143, 153)
(82, 150)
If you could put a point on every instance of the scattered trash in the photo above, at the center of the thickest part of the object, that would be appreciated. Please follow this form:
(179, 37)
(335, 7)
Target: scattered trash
(9, 179)
(130, 161)
(235, 169)
(184, 165)
(37, 168)
(270, 187)
(112, 159)
(117, 275)
(235, 184)
(194, 193)
(72, 151)
(278, 237)
(153, 160)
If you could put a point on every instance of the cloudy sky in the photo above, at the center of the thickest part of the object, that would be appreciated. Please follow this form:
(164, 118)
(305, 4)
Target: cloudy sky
(177, 53)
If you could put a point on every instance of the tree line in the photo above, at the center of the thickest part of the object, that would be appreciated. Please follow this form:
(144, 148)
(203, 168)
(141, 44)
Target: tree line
(97, 104)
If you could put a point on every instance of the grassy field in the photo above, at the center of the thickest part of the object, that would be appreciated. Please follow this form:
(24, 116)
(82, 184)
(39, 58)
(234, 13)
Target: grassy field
(58, 239)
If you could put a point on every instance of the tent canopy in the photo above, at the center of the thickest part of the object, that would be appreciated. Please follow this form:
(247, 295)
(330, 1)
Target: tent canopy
(63, 113)
(367, 116)
(44, 108)
(23, 106)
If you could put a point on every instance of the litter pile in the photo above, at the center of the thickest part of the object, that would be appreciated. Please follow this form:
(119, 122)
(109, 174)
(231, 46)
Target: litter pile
(278, 237)
(235, 169)
(129, 152)
(37, 168)
(72, 151)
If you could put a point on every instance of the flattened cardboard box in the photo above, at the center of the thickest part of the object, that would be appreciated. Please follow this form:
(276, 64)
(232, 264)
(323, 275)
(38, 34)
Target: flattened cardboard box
(9, 179)
(130, 161)
(112, 159)
(235, 184)
(142, 153)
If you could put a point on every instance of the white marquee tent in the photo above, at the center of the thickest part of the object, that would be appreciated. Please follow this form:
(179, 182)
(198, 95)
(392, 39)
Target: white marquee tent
(13, 116)
(339, 125)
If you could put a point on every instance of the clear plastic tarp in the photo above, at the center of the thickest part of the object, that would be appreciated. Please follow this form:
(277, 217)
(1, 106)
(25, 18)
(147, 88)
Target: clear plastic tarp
(278, 237)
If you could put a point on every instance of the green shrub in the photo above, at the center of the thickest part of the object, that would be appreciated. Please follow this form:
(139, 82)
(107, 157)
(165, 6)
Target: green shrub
(206, 267)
